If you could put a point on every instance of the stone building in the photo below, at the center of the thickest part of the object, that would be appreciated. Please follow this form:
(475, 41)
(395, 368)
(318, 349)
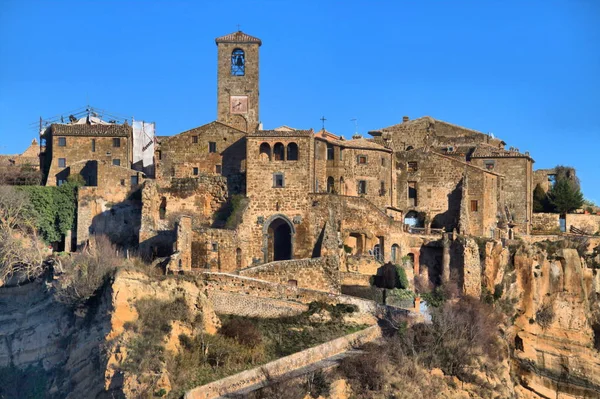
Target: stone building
(232, 196)
(476, 148)
(67, 144)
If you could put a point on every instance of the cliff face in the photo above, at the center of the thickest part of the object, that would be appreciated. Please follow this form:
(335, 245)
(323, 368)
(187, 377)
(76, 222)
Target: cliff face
(78, 350)
(551, 302)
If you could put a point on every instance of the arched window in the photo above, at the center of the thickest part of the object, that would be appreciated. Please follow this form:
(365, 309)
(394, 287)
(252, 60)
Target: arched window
(238, 62)
(342, 186)
(395, 254)
(265, 152)
(410, 147)
(278, 152)
(162, 209)
(292, 152)
(330, 185)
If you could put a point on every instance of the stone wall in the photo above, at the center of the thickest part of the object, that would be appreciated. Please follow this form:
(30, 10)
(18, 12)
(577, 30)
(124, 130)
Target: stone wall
(112, 207)
(225, 284)
(346, 171)
(165, 201)
(284, 365)
(249, 306)
(588, 223)
(465, 266)
(517, 188)
(319, 273)
(439, 183)
(186, 153)
(543, 223)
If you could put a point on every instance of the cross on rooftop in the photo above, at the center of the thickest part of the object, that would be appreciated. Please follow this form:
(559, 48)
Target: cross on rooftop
(323, 121)
(238, 26)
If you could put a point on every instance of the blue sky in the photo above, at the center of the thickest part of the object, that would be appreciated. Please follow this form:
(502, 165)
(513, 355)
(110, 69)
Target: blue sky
(527, 71)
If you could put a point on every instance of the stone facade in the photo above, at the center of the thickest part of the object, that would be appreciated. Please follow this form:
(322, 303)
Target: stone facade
(545, 223)
(438, 186)
(70, 144)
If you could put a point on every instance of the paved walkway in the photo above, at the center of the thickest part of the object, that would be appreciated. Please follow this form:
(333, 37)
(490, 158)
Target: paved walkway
(324, 364)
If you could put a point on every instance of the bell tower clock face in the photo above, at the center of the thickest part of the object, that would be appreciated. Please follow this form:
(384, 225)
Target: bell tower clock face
(238, 104)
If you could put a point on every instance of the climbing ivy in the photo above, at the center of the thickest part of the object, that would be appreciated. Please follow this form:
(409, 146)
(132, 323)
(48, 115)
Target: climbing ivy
(53, 209)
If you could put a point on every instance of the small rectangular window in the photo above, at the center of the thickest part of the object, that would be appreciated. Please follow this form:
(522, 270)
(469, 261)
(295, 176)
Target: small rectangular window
(60, 182)
(134, 181)
(116, 162)
(362, 186)
(341, 154)
(278, 180)
(62, 142)
(93, 145)
(116, 142)
(413, 166)
(62, 162)
(212, 146)
(122, 182)
(474, 206)
(362, 159)
(218, 169)
(330, 150)
(215, 246)
(382, 190)
(382, 161)
(194, 139)
(195, 171)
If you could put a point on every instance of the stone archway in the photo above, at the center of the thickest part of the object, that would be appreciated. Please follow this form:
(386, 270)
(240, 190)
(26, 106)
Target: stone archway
(278, 242)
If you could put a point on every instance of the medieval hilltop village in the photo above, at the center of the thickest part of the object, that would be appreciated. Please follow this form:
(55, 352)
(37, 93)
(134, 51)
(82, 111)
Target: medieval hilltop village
(272, 220)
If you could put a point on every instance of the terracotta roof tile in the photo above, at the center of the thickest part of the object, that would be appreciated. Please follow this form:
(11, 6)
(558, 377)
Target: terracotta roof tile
(238, 37)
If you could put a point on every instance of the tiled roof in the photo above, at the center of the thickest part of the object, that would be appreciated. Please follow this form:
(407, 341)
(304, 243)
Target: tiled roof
(91, 130)
(488, 151)
(281, 133)
(361, 143)
(238, 37)
(365, 144)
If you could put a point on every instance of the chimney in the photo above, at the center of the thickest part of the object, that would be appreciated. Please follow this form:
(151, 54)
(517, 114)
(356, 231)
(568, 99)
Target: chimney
(405, 119)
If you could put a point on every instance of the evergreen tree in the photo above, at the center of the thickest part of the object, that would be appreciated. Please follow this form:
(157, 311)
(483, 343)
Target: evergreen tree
(540, 200)
(565, 196)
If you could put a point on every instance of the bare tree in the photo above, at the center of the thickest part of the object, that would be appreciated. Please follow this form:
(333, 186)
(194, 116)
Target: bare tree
(21, 249)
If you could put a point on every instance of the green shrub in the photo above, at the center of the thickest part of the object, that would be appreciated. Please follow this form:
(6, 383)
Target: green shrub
(401, 279)
(402, 294)
(53, 209)
(435, 298)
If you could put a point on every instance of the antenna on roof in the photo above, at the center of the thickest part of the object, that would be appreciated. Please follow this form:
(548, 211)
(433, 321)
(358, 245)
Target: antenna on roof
(238, 26)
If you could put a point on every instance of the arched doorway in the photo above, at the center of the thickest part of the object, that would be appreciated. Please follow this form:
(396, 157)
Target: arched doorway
(279, 236)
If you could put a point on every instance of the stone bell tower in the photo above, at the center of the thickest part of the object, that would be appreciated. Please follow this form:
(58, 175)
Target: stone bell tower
(237, 80)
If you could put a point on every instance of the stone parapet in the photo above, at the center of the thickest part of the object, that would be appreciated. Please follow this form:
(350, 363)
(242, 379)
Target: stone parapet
(284, 365)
